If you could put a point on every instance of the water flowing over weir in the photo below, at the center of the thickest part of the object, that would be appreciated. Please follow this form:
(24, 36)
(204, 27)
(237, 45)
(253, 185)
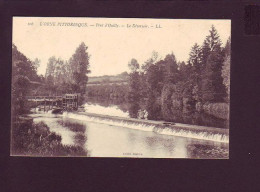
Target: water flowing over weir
(182, 130)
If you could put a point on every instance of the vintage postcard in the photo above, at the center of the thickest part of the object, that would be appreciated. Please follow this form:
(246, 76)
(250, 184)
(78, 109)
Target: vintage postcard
(120, 87)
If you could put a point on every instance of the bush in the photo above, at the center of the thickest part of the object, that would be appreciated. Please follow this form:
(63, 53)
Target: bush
(219, 110)
(32, 139)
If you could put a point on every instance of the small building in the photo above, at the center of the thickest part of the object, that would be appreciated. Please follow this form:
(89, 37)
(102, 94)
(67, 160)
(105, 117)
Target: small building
(70, 102)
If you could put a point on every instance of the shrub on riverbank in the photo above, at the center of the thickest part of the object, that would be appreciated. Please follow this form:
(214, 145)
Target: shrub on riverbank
(32, 139)
(219, 110)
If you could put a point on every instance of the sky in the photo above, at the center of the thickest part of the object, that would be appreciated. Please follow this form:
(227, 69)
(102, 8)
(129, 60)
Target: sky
(111, 47)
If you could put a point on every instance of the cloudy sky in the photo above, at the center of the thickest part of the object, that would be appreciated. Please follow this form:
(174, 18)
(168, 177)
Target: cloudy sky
(111, 48)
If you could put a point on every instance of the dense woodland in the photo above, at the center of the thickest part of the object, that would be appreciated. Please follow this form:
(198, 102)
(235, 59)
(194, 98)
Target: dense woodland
(61, 77)
(168, 86)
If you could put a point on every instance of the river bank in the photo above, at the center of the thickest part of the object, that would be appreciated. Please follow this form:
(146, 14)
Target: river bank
(36, 139)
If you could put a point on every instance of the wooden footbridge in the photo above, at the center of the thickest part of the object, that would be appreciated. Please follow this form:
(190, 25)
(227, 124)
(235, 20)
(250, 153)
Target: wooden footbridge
(68, 102)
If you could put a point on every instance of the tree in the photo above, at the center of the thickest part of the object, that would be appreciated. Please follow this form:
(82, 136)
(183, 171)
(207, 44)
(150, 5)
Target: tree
(79, 63)
(210, 44)
(212, 88)
(36, 63)
(226, 68)
(133, 65)
(195, 58)
(68, 76)
(185, 72)
(166, 102)
(155, 79)
(50, 67)
(213, 40)
(134, 81)
(23, 73)
(172, 74)
(152, 60)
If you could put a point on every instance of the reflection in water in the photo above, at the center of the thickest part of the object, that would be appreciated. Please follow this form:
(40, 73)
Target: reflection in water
(197, 150)
(102, 140)
(137, 109)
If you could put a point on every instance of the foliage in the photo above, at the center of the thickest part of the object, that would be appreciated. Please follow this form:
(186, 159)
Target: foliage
(122, 77)
(152, 60)
(220, 110)
(165, 84)
(68, 76)
(153, 107)
(171, 69)
(179, 85)
(107, 90)
(24, 74)
(213, 89)
(133, 65)
(79, 64)
(166, 100)
(226, 69)
(33, 139)
(154, 78)
(134, 81)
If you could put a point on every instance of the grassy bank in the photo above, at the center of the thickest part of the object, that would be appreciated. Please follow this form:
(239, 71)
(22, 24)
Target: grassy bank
(31, 139)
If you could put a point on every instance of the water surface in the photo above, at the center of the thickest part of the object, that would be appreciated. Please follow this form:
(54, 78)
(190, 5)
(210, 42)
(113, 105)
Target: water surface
(122, 108)
(102, 140)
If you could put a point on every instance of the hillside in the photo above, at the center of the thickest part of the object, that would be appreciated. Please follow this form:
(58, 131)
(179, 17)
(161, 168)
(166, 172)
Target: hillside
(108, 79)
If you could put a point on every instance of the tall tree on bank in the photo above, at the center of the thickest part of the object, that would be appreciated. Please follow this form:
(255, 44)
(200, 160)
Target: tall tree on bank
(134, 80)
(24, 74)
(160, 76)
(226, 68)
(212, 87)
(68, 77)
(79, 63)
(143, 73)
(195, 61)
(134, 91)
(172, 74)
(152, 60)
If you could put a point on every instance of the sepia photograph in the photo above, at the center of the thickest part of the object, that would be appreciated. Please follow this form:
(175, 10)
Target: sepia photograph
(120, 87)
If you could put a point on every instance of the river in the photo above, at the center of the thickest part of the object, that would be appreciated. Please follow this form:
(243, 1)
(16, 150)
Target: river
(109, 140)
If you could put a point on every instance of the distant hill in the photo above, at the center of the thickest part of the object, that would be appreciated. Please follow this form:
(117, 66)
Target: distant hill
(109, 79)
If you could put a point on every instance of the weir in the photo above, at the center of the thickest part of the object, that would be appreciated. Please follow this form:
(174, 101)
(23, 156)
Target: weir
(178, 129)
